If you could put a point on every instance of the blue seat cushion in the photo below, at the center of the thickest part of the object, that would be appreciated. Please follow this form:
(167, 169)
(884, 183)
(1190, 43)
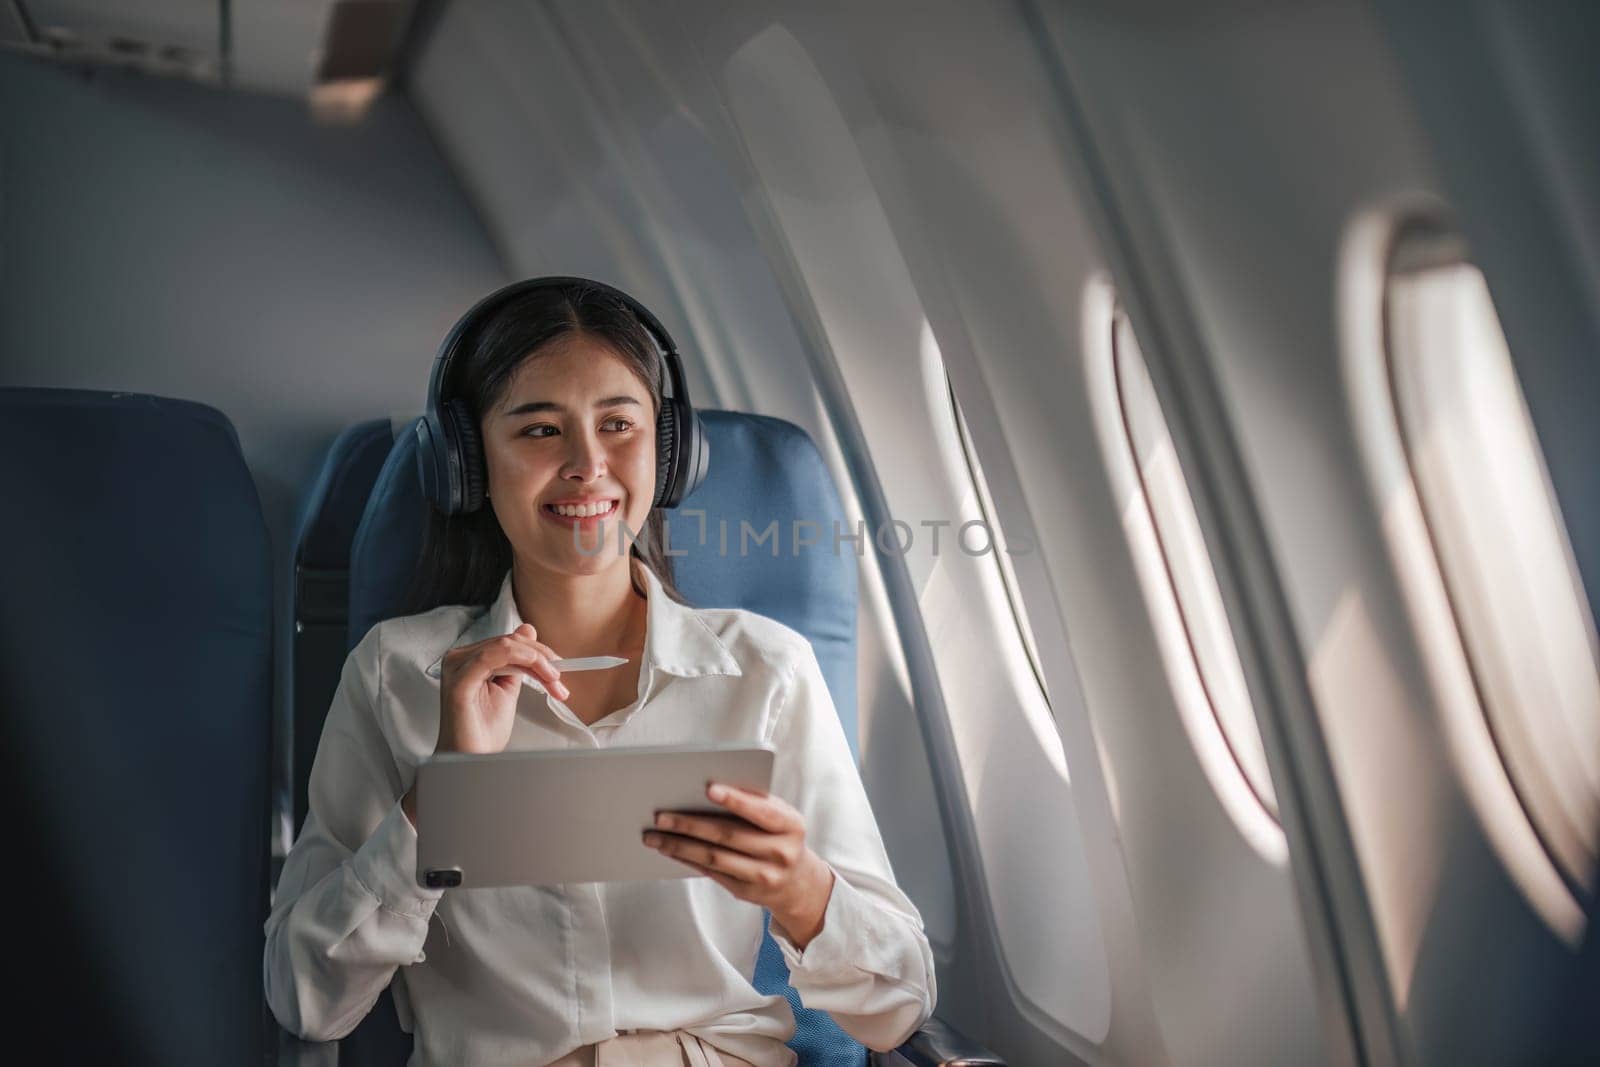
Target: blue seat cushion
(817, 1040)
(767, 472)
(388, 542)
(332, 509)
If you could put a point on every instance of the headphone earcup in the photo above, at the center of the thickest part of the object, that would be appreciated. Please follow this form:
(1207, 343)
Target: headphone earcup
(431, 463)
(468, 457)
(697, 457)
(667, 452)
(683, 453)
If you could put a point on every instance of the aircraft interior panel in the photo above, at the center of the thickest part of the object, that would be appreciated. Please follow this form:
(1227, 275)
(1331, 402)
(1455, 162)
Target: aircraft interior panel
(1258, 291)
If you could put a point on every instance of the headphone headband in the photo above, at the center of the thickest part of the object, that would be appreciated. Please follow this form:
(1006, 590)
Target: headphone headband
(487, 306)
(450, 458)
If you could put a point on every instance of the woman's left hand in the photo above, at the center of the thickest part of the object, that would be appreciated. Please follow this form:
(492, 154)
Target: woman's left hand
(757, 852)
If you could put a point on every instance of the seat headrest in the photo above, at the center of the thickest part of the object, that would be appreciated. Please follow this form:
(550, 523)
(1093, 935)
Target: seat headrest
(766, 475)
(332, 509)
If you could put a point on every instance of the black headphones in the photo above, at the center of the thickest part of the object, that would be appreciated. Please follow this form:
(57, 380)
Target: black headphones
(450, 456)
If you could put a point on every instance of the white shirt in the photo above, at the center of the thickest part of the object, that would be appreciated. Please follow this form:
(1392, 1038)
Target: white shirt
(526, 975)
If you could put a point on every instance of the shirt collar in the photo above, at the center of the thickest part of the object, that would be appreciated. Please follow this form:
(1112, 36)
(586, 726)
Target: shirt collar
(676, 640)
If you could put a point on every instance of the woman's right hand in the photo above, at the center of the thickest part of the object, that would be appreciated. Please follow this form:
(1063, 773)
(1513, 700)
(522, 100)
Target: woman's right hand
(476, 708)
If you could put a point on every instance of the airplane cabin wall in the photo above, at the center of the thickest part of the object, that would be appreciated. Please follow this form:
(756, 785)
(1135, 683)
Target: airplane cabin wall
(1248, 154)
(969, 136)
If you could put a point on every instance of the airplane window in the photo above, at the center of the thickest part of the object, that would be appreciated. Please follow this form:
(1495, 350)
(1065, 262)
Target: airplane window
(1495, 528)
(1198, 646)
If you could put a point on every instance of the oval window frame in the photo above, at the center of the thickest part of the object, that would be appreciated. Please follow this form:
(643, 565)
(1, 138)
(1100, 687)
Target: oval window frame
(1256, 820)
(1410, 236)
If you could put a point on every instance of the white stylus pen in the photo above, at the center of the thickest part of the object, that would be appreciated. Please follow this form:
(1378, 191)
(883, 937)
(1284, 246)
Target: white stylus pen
(582, 663)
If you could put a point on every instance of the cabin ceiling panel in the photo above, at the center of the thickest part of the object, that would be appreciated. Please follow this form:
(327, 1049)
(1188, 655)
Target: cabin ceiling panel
(166, 36)
(190, 23)
(279, 47)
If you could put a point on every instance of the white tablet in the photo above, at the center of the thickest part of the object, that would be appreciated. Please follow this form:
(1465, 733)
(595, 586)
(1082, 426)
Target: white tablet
(565, 815)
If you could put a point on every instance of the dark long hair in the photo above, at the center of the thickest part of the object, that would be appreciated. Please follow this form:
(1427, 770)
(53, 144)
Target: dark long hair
(465, 557)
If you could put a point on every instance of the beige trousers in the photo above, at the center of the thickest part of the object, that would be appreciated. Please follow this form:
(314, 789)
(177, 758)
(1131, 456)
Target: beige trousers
(650, 1048)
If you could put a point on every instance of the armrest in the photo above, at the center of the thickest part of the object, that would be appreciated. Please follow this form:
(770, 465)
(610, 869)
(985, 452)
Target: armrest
(938, 1044)
(296, 1052)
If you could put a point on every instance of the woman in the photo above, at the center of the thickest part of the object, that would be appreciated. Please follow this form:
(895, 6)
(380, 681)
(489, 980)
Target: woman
(562, 382)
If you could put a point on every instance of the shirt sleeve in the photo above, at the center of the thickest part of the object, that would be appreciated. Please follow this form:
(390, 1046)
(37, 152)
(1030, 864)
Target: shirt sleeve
(870, 967)
(348, 909)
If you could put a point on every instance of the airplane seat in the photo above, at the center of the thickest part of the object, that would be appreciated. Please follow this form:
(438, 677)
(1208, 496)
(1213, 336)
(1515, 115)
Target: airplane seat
(137, 658)
(329, 515)
(388, 540)
(763, 470)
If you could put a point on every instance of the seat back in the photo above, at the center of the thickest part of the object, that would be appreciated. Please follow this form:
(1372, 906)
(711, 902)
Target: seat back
(136, 649)
(388, 541)
(329, 515)
(770, 491)
(764, 471)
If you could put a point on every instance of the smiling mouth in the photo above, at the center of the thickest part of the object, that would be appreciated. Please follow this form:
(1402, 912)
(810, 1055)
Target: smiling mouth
(581, 513)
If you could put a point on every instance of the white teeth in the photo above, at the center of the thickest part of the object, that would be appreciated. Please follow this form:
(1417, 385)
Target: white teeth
(583, 511)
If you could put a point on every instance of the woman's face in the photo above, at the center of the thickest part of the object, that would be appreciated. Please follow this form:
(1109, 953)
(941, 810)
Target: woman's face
(575, 429)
